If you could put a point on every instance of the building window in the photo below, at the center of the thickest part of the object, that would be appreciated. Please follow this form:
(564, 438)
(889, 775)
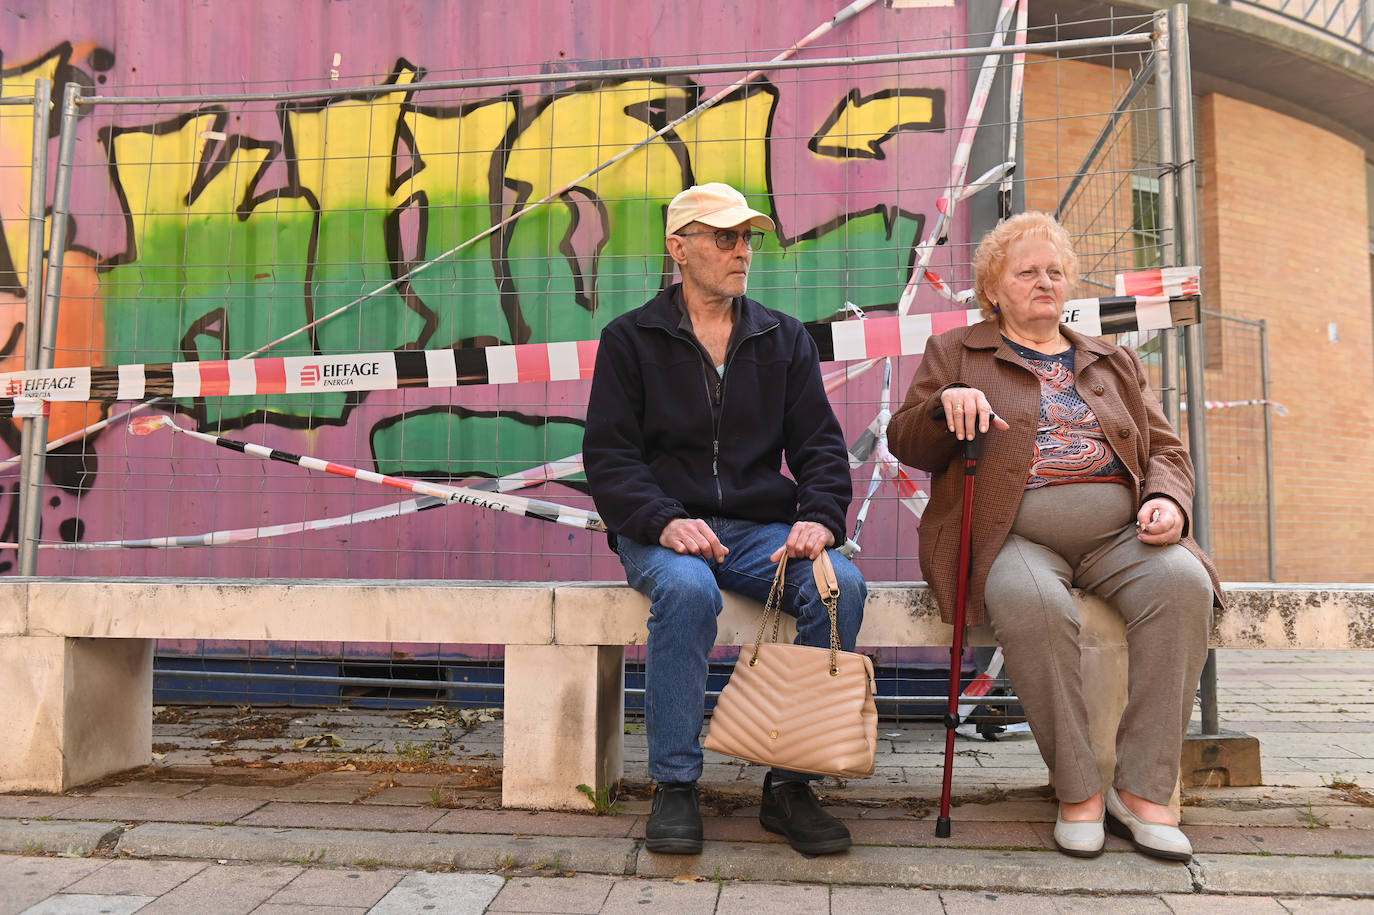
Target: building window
(1145, 222)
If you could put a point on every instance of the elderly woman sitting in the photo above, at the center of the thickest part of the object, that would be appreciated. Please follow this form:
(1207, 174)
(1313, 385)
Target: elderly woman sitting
(1081, 484)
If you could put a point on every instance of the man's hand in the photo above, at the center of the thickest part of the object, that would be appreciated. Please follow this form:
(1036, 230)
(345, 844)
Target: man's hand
(1160, 521)
(693, 537)
(807, 539)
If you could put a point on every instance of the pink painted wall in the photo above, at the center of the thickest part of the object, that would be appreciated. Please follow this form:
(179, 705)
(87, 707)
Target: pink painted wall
(199, 225)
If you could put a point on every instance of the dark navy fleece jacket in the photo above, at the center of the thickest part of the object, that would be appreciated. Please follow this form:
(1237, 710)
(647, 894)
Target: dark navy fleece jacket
(662, 442)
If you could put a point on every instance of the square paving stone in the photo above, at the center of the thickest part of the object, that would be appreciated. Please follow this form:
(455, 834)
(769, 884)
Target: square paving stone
(27, 807)
(1212, 904)
(583, 894)
(145, 878)
(692, 895)
(147, 788)
(27, 881)
(74, 904)
(969, 834)
(870, 900)
(272, 908)
(1325, 905)
(789, 898)
(457, 894)
(225, 889)
(538, 823)
(341, 816)
(975, 903)
(166, 810)
(323, 886)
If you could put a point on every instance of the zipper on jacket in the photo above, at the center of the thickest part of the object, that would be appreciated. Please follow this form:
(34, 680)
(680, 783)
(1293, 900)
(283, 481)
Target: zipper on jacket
(716, 402)
(720, 403)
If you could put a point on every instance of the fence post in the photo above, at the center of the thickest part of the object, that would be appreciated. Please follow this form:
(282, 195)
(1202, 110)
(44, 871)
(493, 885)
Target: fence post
(1193, 349)
(1168, 212)
(32, 431)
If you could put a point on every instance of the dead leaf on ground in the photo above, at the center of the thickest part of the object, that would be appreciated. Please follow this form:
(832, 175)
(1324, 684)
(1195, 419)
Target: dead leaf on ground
(319, 740)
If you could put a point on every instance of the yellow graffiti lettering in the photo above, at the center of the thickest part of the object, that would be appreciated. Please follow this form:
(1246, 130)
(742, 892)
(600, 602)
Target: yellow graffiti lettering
(577, 132)
(156, 170)
(16, 159)
(456, 151)
(860, 124)
(341, 154)
(729, 141)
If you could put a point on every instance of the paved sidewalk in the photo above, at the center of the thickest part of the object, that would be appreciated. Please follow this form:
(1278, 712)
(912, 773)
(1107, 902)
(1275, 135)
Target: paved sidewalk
(259, 810)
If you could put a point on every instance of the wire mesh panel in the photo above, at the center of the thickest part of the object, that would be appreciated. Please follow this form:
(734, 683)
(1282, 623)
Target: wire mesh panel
(1238, 444)
(418, 258)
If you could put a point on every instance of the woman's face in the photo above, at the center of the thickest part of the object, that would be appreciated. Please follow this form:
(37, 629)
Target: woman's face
(1031, 290)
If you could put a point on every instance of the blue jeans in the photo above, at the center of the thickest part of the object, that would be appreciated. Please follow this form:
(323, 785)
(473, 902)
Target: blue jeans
(684, 592)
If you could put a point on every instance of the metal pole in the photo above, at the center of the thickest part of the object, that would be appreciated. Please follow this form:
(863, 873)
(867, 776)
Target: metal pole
(61, 204)
(1164, 198)
(1268, 451)
(1193, 341)
(31, 440)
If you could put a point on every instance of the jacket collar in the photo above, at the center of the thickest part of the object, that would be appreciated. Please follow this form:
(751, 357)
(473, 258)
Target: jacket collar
(665, 310)
(988, 335)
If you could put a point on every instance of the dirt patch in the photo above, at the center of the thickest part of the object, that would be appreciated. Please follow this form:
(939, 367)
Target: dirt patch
(249, 727)
(1353, 793)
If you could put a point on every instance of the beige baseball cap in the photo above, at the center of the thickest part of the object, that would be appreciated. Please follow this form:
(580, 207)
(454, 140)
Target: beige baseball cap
(715, 204)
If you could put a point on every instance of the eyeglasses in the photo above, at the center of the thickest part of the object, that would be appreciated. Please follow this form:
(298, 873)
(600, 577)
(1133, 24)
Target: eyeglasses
(726, 238)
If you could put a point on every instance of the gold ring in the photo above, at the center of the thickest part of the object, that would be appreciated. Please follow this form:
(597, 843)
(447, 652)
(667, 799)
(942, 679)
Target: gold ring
(958, 408)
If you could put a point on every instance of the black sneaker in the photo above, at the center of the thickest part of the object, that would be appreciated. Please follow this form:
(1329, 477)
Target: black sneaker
(792, 810)
(674, 826)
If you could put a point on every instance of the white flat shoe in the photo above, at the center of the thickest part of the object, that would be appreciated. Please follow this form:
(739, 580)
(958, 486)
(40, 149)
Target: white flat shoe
(1080, 838)
(1155, 839)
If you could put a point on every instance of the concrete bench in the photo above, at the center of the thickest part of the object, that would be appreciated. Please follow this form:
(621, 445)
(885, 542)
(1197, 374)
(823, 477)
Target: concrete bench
(76, 657)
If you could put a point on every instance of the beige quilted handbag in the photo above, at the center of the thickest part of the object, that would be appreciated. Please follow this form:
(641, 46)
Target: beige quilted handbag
(797, 707)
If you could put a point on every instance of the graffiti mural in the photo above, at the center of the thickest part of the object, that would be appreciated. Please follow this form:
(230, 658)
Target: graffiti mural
(279, 189)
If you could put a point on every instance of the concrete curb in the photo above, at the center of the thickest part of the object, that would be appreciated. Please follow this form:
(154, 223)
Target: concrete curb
(866, 865)
(939, 868)
(1285, 874)
(27, 837)
(469, 852)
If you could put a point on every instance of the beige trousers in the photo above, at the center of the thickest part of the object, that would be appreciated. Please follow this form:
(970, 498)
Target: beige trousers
(1083, 535)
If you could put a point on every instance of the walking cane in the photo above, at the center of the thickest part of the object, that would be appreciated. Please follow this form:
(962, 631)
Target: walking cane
(956, 649)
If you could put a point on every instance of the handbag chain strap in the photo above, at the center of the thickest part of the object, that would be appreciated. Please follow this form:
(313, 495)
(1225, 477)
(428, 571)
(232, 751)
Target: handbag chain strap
(771, 608)
(829, 588)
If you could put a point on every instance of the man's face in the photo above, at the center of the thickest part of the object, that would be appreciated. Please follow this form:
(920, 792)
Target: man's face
(703, 263)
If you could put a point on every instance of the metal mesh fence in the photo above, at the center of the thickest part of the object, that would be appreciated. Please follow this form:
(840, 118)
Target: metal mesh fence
(1240, 476)
(463, 209)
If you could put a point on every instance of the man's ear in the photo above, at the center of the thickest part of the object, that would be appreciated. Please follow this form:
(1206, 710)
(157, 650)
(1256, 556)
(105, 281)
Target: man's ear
(677, 249)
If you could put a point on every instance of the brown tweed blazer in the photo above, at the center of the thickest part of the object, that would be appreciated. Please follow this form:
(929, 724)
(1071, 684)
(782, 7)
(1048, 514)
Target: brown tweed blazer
(1111, 380)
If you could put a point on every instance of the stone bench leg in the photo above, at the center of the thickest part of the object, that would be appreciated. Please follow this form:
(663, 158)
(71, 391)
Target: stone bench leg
(73, 710)
(564, 724)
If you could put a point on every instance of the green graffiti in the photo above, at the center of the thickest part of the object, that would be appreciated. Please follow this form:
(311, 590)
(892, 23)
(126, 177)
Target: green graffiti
(379, 188)
(458, 444)
(855, 262)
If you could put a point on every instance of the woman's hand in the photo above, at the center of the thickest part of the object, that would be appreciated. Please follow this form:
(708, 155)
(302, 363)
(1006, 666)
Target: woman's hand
(1160, 522)
(967, 412)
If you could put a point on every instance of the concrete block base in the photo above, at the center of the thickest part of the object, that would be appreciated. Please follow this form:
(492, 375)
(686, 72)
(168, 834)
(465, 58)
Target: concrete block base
(565, 724)
(1220, 760)
(75, 710)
